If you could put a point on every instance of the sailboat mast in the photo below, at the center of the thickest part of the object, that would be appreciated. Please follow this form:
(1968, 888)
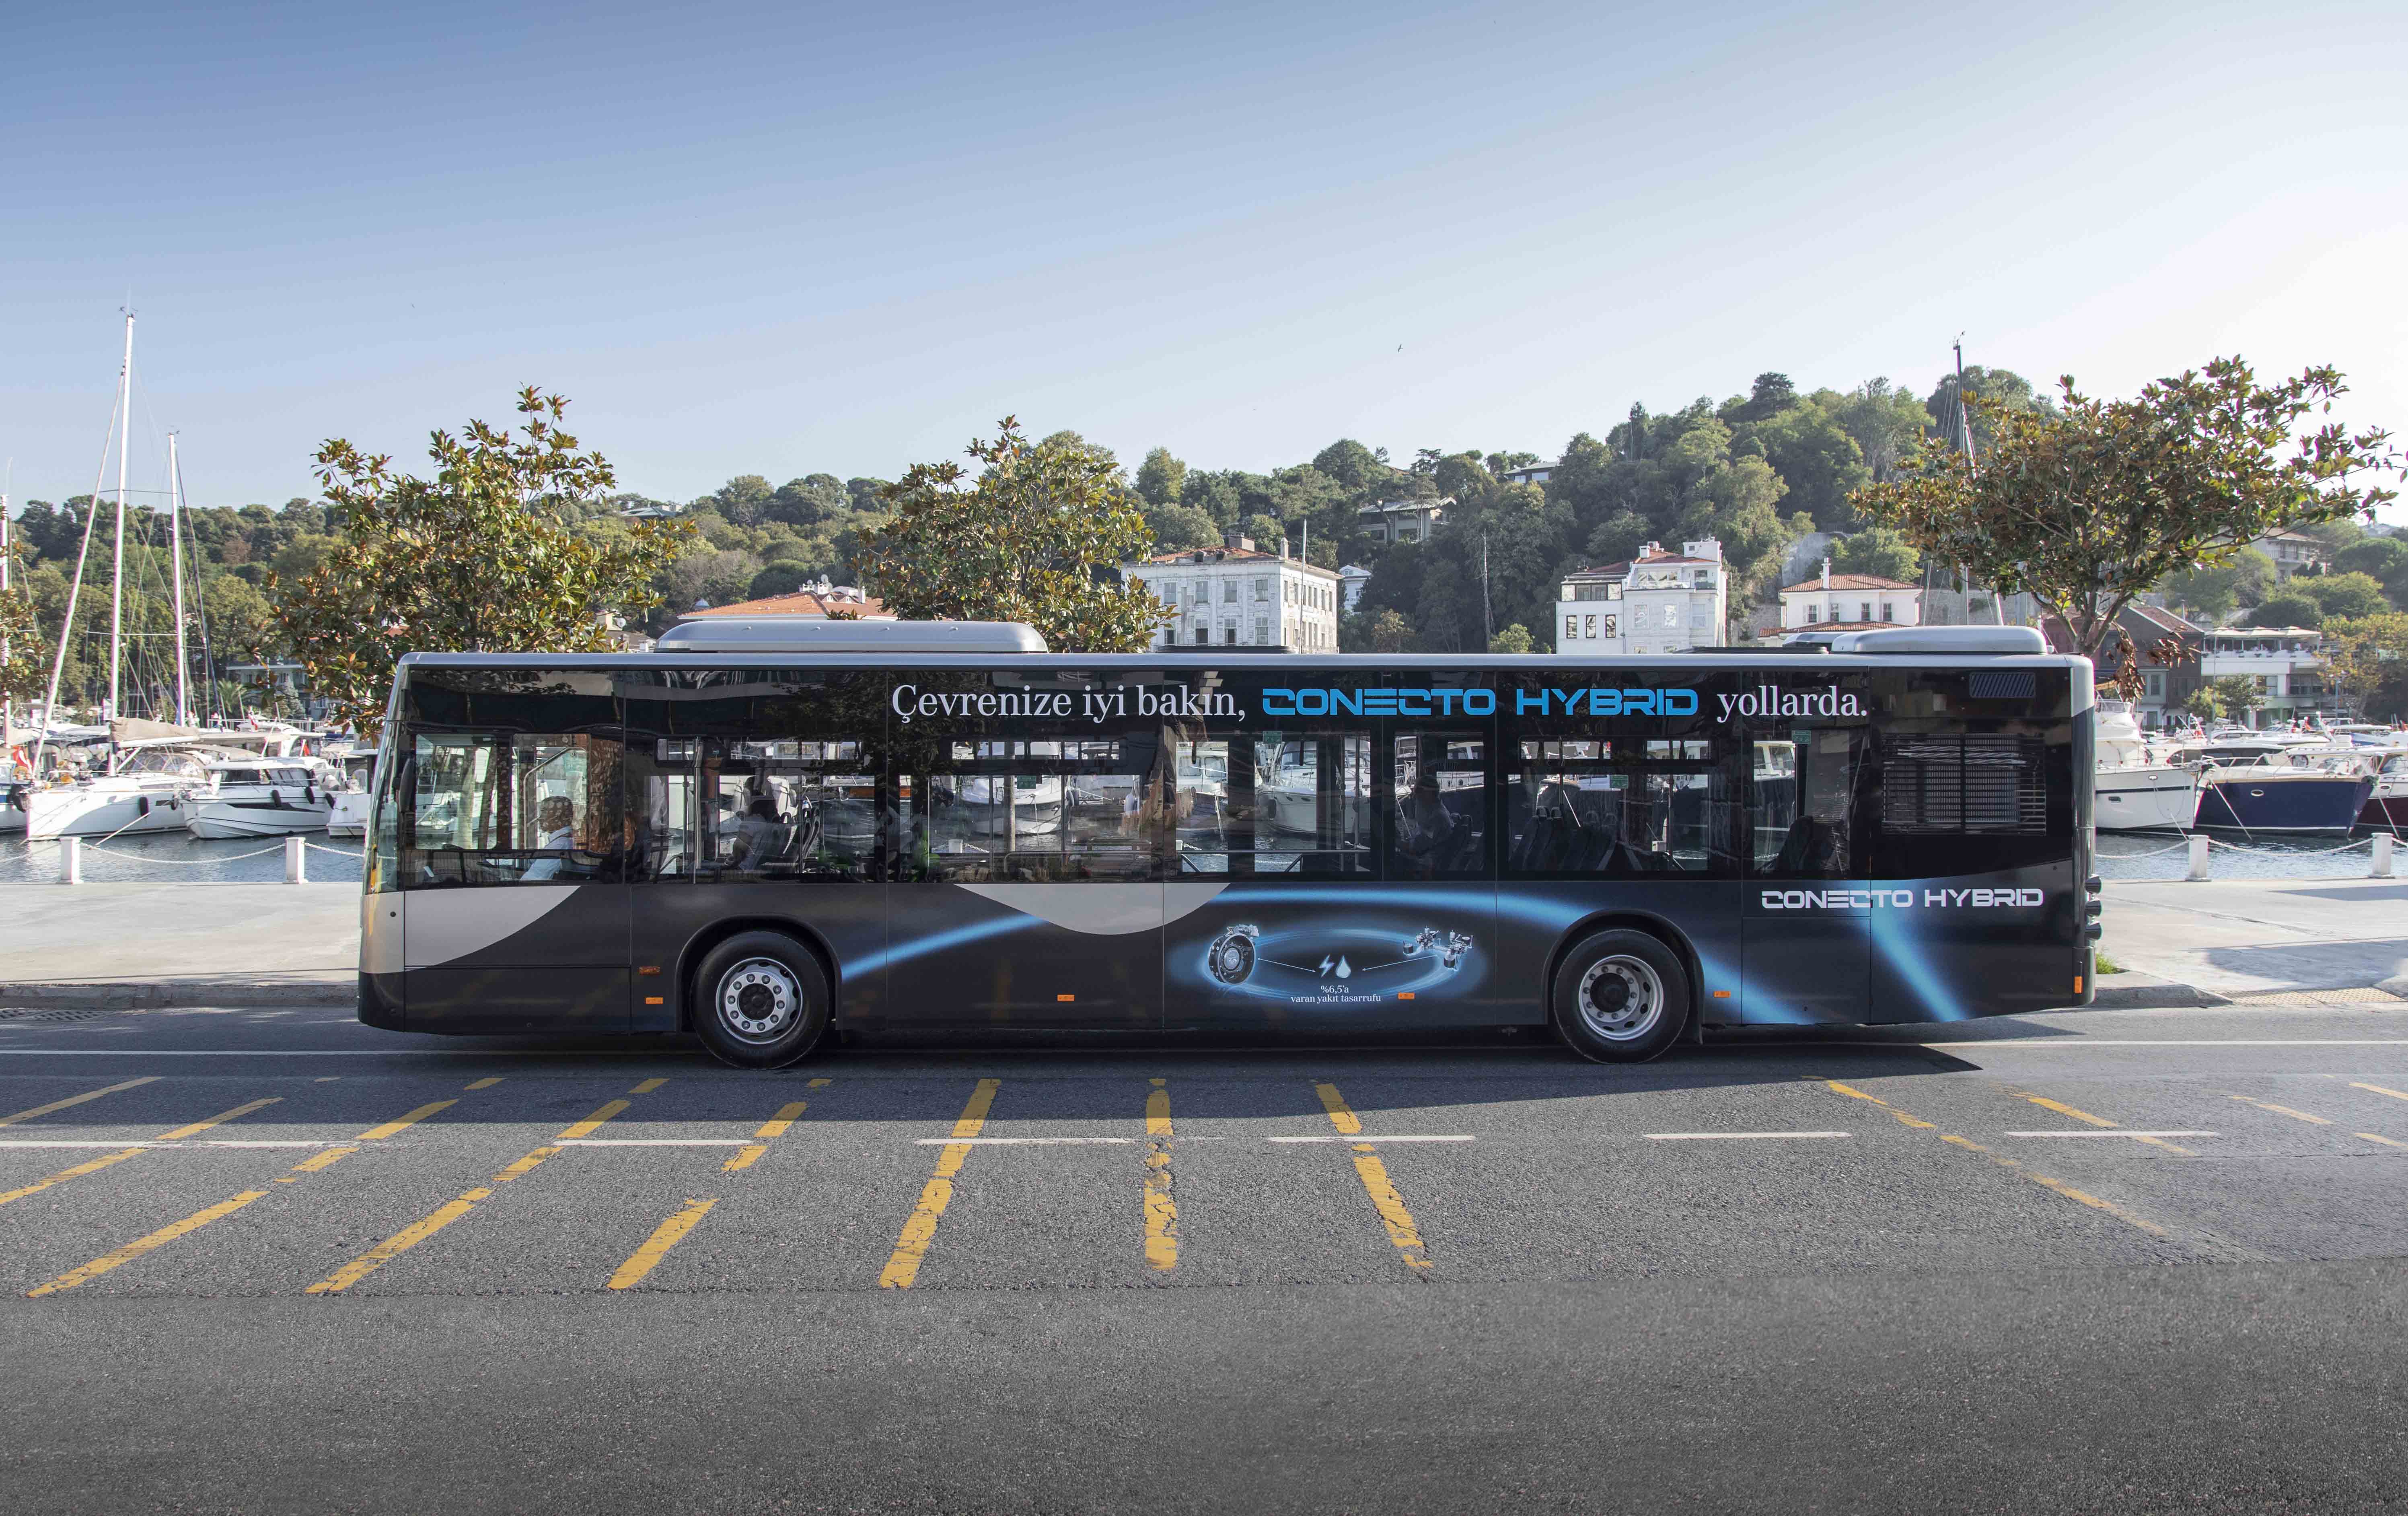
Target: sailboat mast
(7, 703)
(176, 557)
(117, 585)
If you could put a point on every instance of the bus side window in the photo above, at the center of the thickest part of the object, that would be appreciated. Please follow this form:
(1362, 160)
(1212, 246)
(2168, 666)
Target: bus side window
(1437, 810)
(1802, 804)
(1313, 804)
(510, 808)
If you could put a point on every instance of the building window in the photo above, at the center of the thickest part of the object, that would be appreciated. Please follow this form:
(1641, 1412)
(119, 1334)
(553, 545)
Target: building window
(1864, 611)
(1262, 631)
(1592, 626)
(1571, 626)
(1262, 589)
(1610, 626)
(1888, 613)
(1697, 612)
(1228, 592)
(1672, 616)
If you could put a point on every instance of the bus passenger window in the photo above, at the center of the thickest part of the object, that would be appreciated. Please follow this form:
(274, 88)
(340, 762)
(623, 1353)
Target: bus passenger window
(1204, 817)
(1313, 804)
(773, 807)
(1438, 815)
(1037, 811)
(1802, 804)
(503, 808)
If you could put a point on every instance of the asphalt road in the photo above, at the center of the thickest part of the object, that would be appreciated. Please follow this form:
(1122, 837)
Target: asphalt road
(305, 1265)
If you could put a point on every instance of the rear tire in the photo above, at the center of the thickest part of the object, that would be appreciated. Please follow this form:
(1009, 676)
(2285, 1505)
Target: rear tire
(761, 1001)
(1620, 997)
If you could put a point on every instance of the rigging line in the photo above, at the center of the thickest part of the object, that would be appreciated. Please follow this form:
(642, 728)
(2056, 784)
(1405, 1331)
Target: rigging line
(74, 592)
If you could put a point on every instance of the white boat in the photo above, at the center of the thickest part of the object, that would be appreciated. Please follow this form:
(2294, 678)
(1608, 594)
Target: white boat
(2134, 790)
(258, 797)
(111, 805)
(348, 814)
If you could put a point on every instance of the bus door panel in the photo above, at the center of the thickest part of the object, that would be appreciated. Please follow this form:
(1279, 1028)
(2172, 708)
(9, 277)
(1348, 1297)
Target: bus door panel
(1026, 884)
(510, 853)
(1806, 917)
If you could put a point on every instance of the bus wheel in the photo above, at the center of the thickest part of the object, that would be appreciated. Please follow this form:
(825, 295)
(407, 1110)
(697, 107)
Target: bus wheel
(761, 1001)
(1620, 997)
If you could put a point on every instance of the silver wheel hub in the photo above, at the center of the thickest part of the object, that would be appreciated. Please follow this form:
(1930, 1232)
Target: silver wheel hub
(1621, 998)
(759, 999)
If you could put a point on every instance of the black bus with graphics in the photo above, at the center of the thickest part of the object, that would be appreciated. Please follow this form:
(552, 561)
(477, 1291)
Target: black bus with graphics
(765, 830)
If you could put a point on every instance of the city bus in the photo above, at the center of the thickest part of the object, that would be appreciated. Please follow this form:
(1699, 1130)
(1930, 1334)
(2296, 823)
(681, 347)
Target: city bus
(763, 832)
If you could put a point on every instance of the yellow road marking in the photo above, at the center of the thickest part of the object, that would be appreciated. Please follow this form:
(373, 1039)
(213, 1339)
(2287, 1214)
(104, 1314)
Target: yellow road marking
(2352, 1084)
(389, 1128)
(2098, 1122)
(486, 1084)
(92, 1166)
(135, 1248)
(647, 1087)
(1341, 1114)
(450, 1211)
(182, 1132)
(587, 1127)
(1161, 1212)
(96, 1165)
(2388, 1142)
(76, 1100)
(656, 1247)
(911, 1247)
(1853, 1093)
(2056, 1186)
(1403, 1230)
(315, 1161)
(2284, 1110)
(774, 1126)
(2066, 1110)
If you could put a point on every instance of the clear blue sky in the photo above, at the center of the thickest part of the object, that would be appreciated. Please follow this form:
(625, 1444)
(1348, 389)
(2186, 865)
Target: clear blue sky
(782, 239)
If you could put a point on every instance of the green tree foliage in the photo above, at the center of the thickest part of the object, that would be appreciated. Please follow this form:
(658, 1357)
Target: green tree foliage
(809, 501)
(1036, 538)
(2287, 608)
(483, 555)
(1178, 527)
(2233, 695)
(2369, 662)
(1159, 477)
(1877, 550)
(2216, 589)
(25, 672)
(1987, 395)
(1353, 464)
(743, 499)
(1390, 632)
(2383, 558)
(2343, 596)
(2087, 510)
(1513, 638)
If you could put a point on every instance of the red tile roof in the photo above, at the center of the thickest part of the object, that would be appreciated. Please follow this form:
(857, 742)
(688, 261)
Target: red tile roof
(1846, 581)
(1651, 560)
(802, 602)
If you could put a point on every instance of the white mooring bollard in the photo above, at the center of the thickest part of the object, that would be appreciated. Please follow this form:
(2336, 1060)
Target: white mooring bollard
(294, 872)
(70, 860)
(2198, 857)
(2381, 868)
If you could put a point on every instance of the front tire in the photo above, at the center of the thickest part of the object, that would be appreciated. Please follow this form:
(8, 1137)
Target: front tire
(1620, 997)
(761, 1001)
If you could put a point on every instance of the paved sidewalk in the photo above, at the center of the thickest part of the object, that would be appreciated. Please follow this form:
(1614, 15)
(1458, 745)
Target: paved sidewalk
(179, 945)
(2268, 940)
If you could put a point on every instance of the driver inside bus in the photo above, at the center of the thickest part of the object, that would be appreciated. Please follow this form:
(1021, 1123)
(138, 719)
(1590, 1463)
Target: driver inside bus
(556, 826)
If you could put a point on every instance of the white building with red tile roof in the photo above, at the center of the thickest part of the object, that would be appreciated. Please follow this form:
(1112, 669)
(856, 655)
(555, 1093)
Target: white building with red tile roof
(1848, 602)
(1239, 595)
(1655, 602)
(842, 601)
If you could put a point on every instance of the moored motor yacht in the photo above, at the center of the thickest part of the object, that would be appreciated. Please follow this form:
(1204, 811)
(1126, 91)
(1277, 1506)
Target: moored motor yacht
(110, 805)
(2273, 786)
(258, 797)
(2388, 807)
(2134, 790)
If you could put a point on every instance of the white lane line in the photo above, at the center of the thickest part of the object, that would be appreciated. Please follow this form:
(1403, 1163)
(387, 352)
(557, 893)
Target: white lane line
(1022, 1142)
(652, 1142)
(1734, 1136)
(210, 1143)
(1367, 1136)
(2117, 1131)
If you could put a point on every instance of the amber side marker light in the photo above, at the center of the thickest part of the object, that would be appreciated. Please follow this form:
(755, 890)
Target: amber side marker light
(652, 1000)
(1404, 994)
(2077, 984)
(1066, 999)
(1722, 994)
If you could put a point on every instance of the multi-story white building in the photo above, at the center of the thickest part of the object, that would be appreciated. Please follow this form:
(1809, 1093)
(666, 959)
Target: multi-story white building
(2293, 552)
(1656, 603)
(1353, 580)
(1403, 521)
(1239, 595)
(1848, 602)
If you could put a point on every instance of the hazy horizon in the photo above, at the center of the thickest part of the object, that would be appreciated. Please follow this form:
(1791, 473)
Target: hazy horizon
(755, 239)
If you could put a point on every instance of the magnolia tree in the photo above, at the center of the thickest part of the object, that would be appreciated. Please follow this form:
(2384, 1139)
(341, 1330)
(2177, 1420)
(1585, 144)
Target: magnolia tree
(485, 556)
(2087, 508)
(1037, 536)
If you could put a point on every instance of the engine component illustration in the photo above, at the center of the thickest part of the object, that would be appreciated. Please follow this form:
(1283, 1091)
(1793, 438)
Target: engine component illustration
(1333, 962)
(1232, 956)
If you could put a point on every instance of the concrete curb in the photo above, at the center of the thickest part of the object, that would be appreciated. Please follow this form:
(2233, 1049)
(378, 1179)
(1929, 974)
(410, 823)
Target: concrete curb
(161, 993)
(2155, 997)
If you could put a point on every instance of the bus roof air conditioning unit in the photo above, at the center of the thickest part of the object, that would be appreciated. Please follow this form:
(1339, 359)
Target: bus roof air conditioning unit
(1957, 641)
(817, 634)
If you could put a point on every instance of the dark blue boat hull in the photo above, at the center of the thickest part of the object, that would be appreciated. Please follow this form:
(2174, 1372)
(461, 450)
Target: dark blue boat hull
(2314, 804)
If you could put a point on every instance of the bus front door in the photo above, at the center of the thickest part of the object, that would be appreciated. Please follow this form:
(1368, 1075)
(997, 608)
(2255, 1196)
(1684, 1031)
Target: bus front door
(1805, 926)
